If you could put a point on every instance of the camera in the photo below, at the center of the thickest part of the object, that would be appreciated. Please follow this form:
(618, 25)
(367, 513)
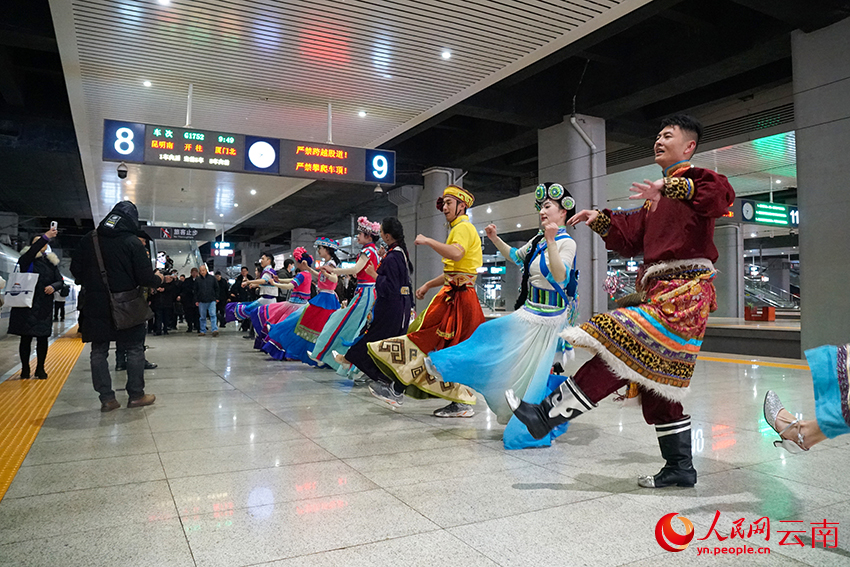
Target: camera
(122, 170)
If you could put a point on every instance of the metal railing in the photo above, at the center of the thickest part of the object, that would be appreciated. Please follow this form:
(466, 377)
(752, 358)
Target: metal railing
(763, 293)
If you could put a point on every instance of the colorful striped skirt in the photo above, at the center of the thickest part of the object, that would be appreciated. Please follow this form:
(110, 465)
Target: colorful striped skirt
(655, 343)
(344, 327)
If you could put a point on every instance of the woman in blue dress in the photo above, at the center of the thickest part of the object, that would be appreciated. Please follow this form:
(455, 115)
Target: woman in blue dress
(517, 351)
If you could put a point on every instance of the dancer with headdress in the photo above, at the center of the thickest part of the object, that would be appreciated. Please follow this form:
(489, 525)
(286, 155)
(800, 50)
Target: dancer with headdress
(652, 344)
(451, 317)
(516, 351)
(296, 335)
(830, 367)
(391, 314)
(345, 325)
(299, 294)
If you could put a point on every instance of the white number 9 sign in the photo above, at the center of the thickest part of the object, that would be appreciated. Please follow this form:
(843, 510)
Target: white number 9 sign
(380, 166)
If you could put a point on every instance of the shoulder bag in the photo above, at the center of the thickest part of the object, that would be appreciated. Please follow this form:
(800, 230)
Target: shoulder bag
(129, 308)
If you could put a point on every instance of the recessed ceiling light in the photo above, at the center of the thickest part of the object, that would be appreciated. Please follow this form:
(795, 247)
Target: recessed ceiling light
(361, 114)
(489, 210)
(447, 54)
(221, 214)
(235, 204)
(778, 181)
(480, 232)
(518, 225)
(253, 191)
(165, 2)
(752, 234)
(147, 83)
(388, 76)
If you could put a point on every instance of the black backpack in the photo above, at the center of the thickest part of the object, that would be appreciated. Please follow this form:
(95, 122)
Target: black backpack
(65, 291)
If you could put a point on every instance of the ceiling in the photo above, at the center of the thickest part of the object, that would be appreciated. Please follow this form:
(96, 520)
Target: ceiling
(271, 69)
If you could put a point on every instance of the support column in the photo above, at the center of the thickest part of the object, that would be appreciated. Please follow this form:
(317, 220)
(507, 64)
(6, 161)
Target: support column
(822, 116)
(729, 281)
(566, 158)
(305, 237)
(249, 253)
(512, 278)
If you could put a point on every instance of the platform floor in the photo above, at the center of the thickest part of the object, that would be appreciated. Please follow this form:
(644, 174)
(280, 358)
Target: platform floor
(245, 461)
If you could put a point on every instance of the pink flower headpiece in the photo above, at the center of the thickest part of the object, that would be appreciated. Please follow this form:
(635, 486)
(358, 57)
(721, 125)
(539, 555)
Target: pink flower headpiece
(299, 253)
(373, 228)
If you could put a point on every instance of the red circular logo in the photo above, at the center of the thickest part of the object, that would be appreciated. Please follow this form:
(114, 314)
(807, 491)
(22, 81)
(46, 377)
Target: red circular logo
(668, 538)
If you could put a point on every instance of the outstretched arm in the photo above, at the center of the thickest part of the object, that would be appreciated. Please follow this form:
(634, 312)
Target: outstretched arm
(453, 252)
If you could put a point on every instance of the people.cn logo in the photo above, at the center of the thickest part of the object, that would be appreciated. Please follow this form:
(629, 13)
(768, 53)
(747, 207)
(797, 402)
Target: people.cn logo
(668, 538)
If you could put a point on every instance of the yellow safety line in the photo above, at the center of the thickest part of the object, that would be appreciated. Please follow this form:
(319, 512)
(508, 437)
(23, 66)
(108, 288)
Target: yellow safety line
(24, 405)
(756, 362)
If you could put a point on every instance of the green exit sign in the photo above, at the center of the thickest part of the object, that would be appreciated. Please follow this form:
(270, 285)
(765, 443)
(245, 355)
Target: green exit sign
(772, 214)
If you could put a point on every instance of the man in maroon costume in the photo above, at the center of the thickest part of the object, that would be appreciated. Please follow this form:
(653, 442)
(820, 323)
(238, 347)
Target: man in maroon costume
(651, 344)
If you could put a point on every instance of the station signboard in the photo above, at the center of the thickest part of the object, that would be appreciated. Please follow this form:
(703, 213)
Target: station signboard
(156, 144)
(179, 233)
(771, 214)
(222, 248)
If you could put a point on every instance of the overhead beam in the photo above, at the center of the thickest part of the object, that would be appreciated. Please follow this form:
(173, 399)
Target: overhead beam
(808, 15)
(497, 150)
(761, 54)
(9, 89)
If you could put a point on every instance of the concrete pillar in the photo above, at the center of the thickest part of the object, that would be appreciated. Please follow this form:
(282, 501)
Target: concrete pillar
(729, 281)
(565, 158)
(779, 272)
(249, 255)
(305, 237)
(406, 198)
(822, 116)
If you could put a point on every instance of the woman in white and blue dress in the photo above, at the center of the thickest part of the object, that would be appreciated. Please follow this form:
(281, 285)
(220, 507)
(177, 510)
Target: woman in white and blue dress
(517, 350)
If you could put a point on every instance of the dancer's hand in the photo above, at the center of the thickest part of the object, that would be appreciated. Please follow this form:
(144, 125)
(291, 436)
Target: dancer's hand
(550, 229)
(586, 216)
(490, 230)
(421, 239)
(648, 190)
(420, 293)
(370, 269)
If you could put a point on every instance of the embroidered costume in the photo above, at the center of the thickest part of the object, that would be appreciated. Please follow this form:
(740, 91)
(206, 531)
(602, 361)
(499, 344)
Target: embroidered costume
(294, 337)
(516, 351)
(391, 315)
(654, 343)
(345, 325)
(451, 318)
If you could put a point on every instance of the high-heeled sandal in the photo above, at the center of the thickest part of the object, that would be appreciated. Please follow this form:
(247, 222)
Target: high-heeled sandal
(772, 407)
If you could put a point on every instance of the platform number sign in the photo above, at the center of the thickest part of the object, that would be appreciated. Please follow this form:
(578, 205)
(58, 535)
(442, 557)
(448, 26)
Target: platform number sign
(380, 166)
(123, 141)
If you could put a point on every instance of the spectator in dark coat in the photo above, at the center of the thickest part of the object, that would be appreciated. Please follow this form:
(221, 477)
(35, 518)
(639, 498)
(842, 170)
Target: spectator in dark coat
(127, 267)
(35, 321)
(187, 297)
(206, 298)
(223, 293)
(162, 303)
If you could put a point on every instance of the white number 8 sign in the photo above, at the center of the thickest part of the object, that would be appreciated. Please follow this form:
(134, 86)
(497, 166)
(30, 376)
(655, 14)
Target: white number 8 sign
(124, 141)
(380, 166)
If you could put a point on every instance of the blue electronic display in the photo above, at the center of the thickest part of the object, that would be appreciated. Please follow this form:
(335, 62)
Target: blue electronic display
(123, 141)
(380, 166)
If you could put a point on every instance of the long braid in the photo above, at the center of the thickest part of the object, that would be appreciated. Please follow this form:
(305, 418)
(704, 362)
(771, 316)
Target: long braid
(526, 272)
(403, 246)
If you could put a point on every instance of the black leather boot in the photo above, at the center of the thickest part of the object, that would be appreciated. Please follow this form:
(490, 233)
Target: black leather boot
(562, 405)
(675, 442)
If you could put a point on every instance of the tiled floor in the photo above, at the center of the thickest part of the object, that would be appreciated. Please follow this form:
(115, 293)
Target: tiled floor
(245, 461)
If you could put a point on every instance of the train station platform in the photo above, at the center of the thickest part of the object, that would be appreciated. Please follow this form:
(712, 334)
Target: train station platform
(246, 461)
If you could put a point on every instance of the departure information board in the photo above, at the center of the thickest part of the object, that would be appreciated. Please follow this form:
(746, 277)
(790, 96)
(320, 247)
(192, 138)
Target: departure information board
(154, 144)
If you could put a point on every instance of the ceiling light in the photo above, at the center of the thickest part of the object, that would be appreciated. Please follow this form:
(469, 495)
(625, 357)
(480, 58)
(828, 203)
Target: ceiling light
(388, 76)
(518, 225)
(362, 114)
(480, 232)
(253, 191)
(778, 181)
(753, 235)
(489, 210)
(165, 2)
(147, 83)
(221, 214)
(447, 54)
(235, 204)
